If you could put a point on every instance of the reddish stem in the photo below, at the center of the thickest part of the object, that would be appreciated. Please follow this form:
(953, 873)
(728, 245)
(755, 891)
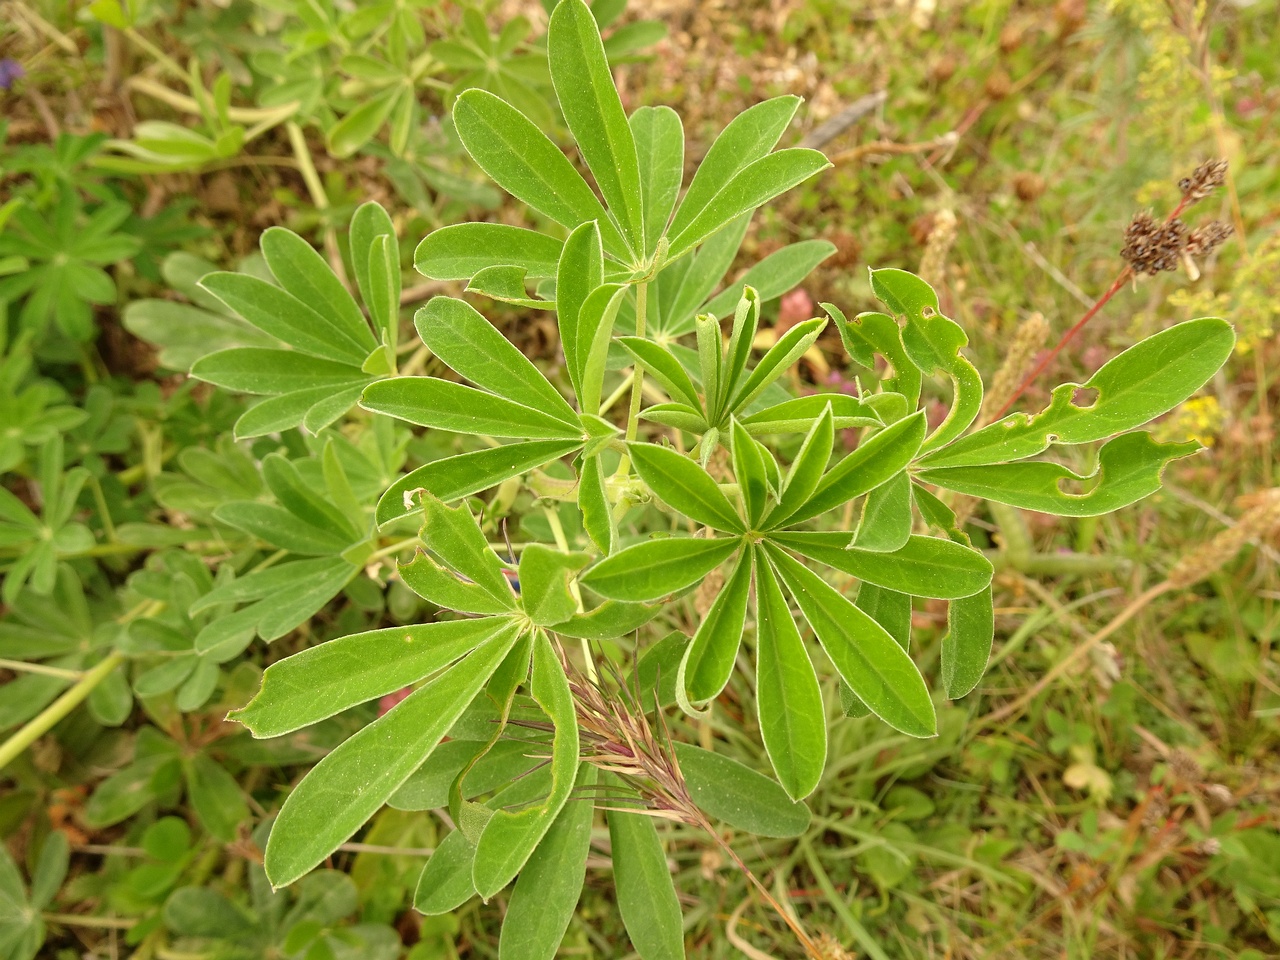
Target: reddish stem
(1067, 337)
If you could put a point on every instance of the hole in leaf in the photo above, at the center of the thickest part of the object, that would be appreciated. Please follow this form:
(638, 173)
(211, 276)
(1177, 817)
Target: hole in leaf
(1084, 397)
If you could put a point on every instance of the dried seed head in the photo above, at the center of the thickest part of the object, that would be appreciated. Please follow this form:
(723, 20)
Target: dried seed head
(1027, 340)
(1202, 241)
(942, 235)
(1151, 246)
(1255, 524)
(1185, 767)
(1204, 180)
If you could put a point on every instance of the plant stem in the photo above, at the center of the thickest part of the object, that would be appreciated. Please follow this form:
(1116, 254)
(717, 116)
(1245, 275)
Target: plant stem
(637, 379)
(21, 666)
(557, 531)
(307, 167)
(50, 715)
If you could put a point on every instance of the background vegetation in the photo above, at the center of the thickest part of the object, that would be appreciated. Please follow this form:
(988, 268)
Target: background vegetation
(1126, 807)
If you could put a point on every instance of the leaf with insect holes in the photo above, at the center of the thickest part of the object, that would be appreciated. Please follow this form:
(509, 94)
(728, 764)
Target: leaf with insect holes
(933, 343)
(1129, 468)
(1133, 388)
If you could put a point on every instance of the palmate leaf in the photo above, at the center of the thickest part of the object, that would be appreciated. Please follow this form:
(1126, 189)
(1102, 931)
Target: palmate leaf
(328, 350)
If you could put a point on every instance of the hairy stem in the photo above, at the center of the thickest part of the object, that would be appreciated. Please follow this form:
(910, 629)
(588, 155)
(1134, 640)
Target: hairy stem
(637, 379)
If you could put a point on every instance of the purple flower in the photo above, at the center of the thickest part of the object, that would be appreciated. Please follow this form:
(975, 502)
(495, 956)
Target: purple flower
(10, 70)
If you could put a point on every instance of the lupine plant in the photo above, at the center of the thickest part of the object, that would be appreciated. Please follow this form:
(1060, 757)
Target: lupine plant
(539, 689)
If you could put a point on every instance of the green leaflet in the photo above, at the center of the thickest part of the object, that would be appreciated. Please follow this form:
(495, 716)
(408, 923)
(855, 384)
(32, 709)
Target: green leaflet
(283, 528)
(933, 342)
(468, 473)
(870, 661)
(461, 250)
(738, 795)
(547, 890)
(343, 790)
(594, 113)
(685, 486)
(808, 467)
(610, 620)
(707, 662)
(594, 333)
(967, 646)
(454, 536)
(791, 346)
(1129, 468)
(659, 138)
(755, 184)
(656, 568)
(325, 680)
(375, 259)
(890, 609)
(593, 501)
(509, 837)
(274, 372)
(580, 271)
(885, 524)
(924, 567)
(522, 160)
(646, 893)
(1133, 388)
(751, 465)
(545, 575)
(874, 461)
(278, 312)
(444, 405)
(308, 277)
(746, 138)
(661, 364)
(314, 408)
(870, 333)
(445, 883)
(793, 723)
(688, 282)
(462, 338)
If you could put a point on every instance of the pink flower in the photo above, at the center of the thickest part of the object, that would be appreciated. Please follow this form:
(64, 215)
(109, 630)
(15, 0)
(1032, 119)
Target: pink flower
(795, 307)
(391, 699)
